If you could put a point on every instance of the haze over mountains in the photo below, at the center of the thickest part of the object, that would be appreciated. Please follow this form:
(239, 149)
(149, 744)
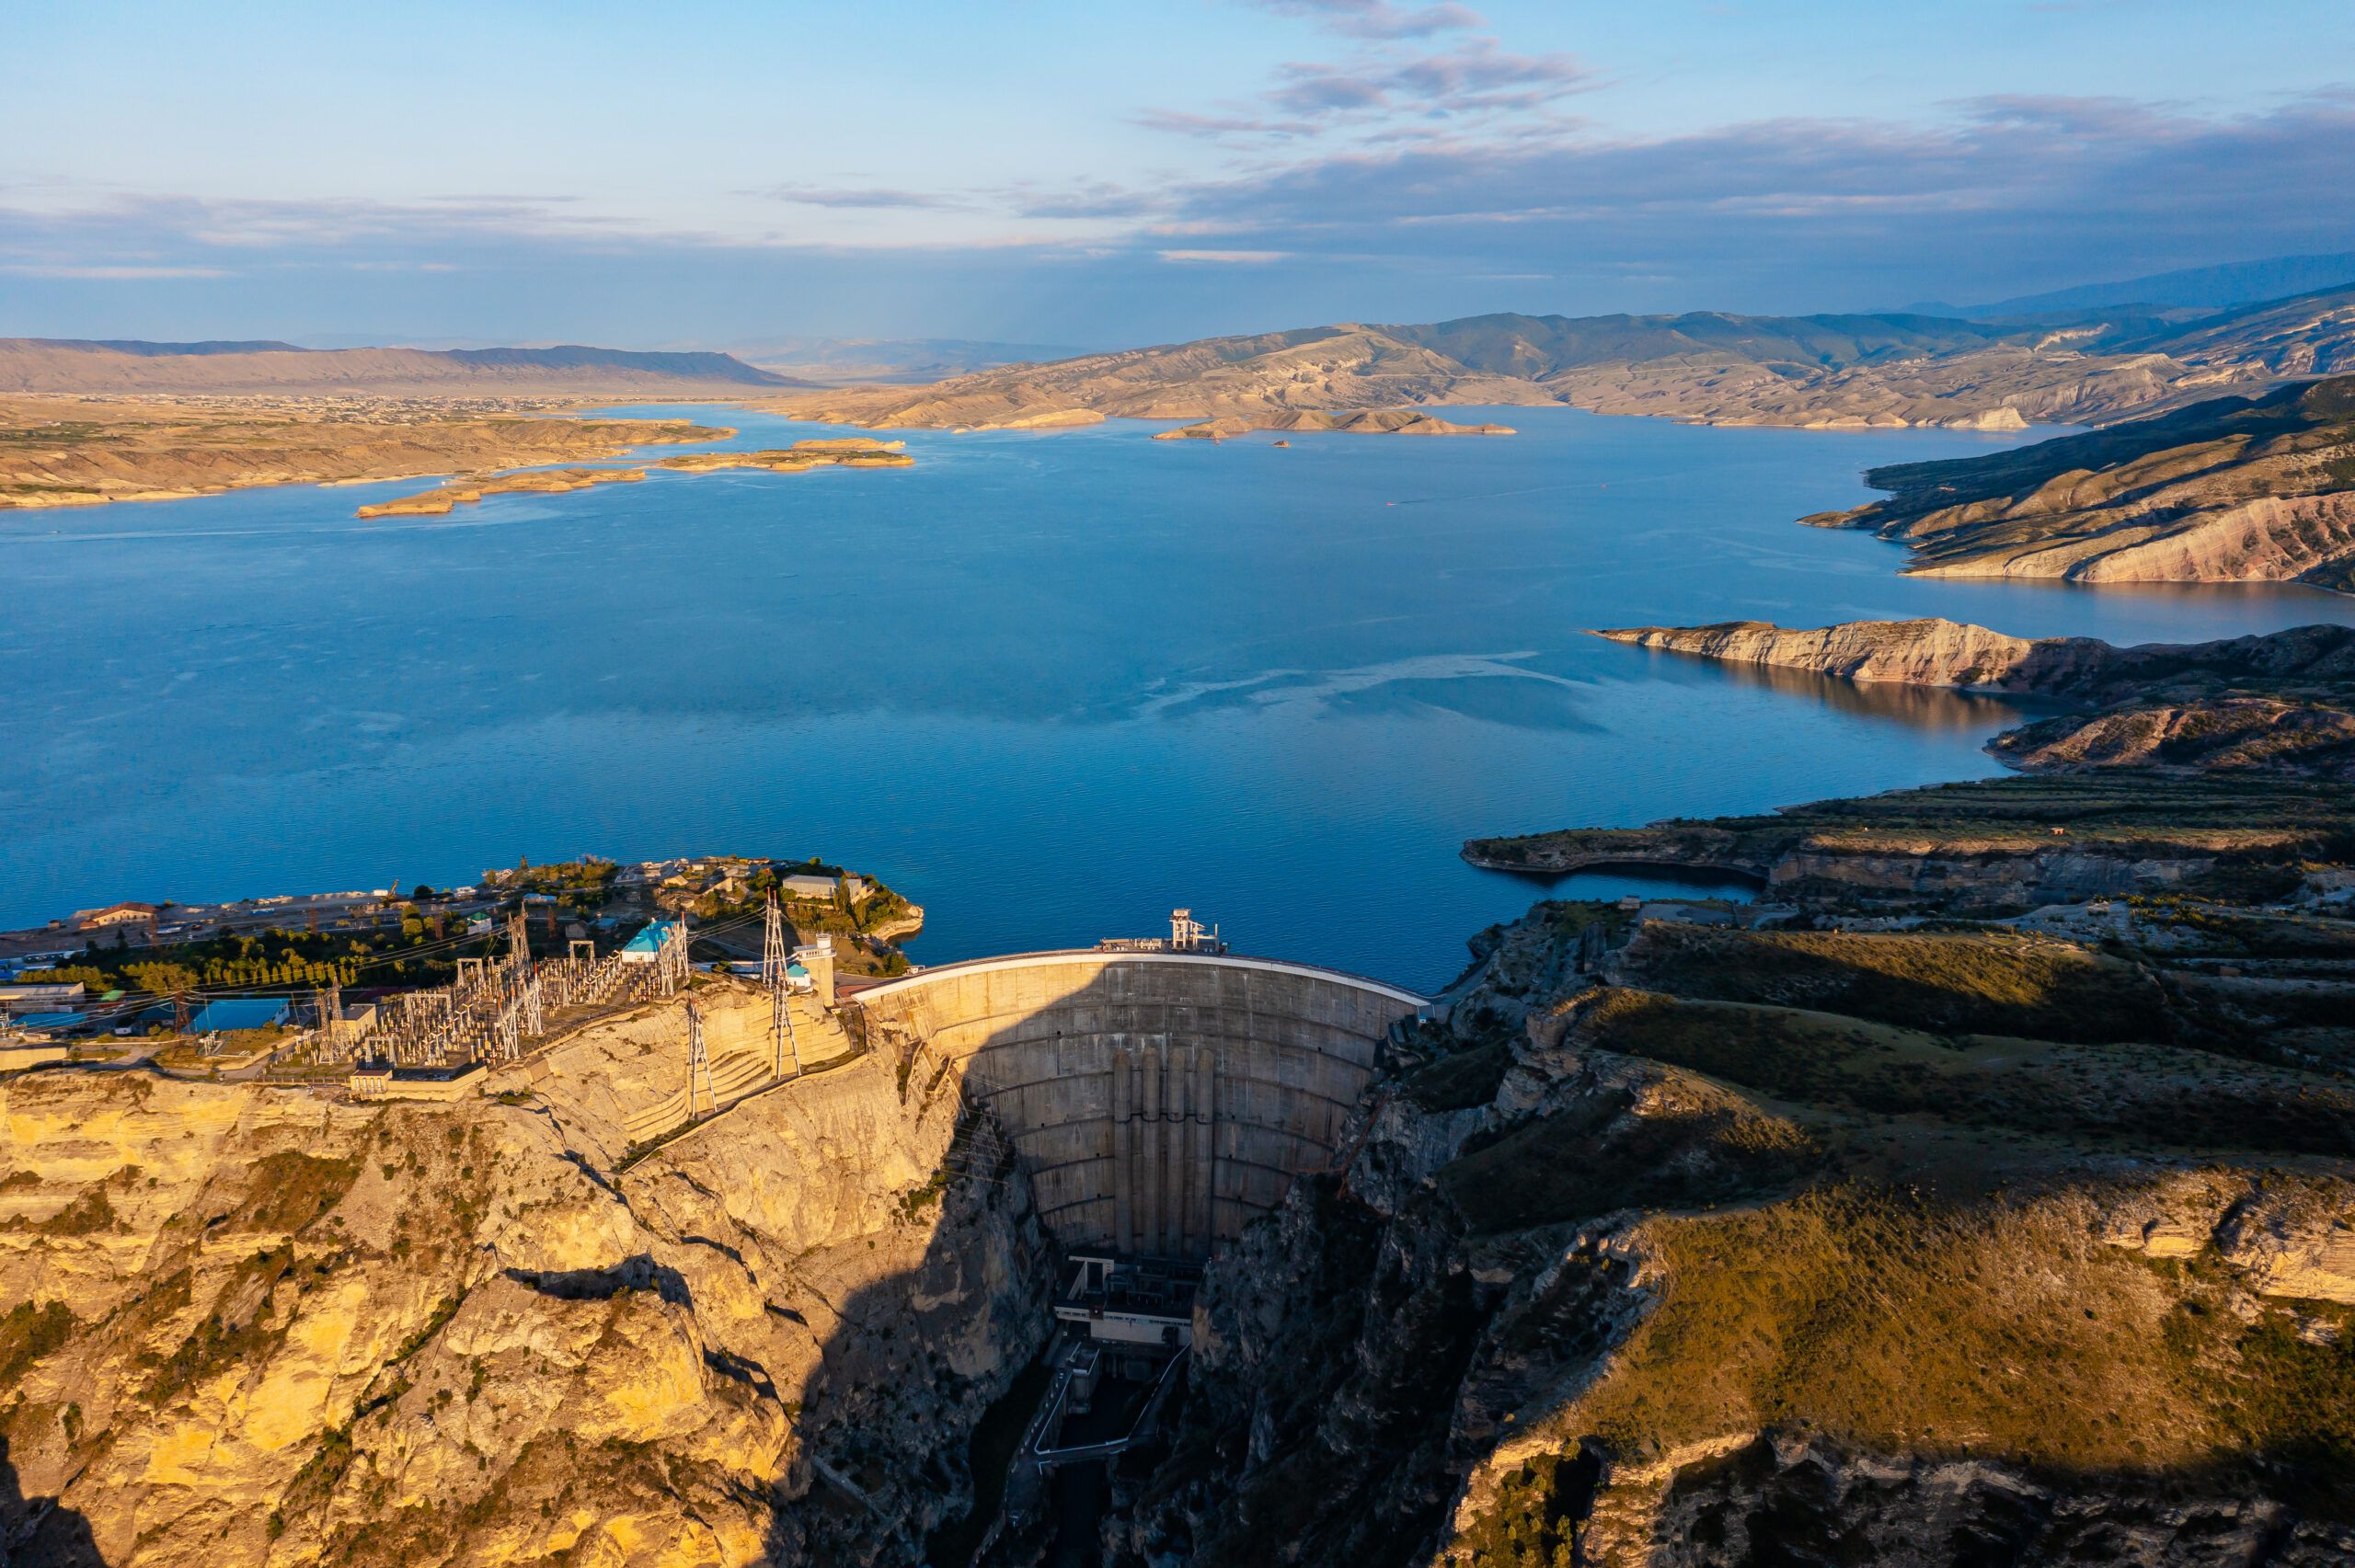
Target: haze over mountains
(2236, 283)
(1893, 369)
(50, 366)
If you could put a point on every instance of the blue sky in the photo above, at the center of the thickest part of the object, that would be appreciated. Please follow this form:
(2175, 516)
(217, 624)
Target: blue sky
(1105, 174)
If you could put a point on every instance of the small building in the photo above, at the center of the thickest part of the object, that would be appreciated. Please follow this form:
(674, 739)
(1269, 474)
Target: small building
(40, 997)
(17, 1055)
(646, 947)
(822, 887)
(116, 914)
(1131, 1301)
(383, 1081)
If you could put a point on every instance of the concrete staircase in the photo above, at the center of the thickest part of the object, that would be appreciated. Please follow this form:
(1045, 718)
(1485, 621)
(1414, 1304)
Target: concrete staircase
(742, 1071)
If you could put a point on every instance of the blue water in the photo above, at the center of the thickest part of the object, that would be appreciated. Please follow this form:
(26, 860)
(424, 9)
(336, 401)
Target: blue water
(1048, 684)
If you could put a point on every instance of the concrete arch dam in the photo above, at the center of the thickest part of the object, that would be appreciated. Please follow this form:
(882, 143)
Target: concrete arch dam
(1158, 1100)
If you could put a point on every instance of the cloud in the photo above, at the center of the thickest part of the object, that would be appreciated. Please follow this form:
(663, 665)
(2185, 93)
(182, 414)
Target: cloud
(1997, 197)
(833, 195)
(1099, 199)
(1394, 94)
(120, 274)
(1377, 18)
(1210, 127)
(2006, 187)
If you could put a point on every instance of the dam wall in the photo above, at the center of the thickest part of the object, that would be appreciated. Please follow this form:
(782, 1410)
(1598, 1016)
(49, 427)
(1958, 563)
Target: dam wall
(1158, 1101)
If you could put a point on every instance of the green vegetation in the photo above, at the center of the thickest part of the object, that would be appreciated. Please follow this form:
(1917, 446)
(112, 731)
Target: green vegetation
(86, 1216)
(2164, 1095)
(1461, 1080)
(1692, 1146)
(287, 1191)
(1889, 1320)
(28, 1332)
(1535, 1523)
(219, 1342)
(1989, 983)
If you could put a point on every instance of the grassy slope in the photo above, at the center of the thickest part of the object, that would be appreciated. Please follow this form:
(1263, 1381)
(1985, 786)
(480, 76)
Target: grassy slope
(1878, 1235)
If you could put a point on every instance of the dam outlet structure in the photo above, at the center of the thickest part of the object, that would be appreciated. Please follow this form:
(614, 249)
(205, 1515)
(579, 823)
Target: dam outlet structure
(1157, 1101)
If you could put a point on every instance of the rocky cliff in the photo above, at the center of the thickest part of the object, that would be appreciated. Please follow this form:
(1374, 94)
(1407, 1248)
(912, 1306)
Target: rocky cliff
(1620, 1277)
(2232, 489)
(2280, 703)
(1987, 845)
(254, 1325)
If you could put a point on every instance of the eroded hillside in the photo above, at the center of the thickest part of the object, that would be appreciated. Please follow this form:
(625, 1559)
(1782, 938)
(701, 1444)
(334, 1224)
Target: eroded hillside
(1677, 1245)
(252, 1325)
(1821, 371)
(2231, 489)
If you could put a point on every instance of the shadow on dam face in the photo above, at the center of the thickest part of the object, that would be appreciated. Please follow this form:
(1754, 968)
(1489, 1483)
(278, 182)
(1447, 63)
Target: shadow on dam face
(1158, 1101)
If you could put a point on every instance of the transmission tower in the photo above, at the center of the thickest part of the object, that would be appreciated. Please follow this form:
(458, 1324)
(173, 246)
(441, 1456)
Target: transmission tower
(698, 1064)
(773, 963)
(672, 960)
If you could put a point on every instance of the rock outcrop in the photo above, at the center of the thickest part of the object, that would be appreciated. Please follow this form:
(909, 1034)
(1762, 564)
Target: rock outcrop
(2280, 703)
(1990, 844)
(254, 1326)
(1606, 1282)
(531, 481)
(846, 451)
(1374, 422)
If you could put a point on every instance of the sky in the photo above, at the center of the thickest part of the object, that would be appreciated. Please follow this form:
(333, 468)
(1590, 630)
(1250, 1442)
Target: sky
(1106, 174)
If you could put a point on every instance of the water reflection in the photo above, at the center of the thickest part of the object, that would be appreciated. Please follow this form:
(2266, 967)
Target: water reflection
(1051, 684)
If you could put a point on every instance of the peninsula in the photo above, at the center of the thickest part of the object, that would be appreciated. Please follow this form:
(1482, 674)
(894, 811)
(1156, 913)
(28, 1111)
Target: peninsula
(2228, 489)
(853, 452)
(2278, 703)
(58, 452)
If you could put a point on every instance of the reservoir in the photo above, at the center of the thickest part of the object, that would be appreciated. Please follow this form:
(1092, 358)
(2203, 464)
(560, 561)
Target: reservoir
(1047, 684)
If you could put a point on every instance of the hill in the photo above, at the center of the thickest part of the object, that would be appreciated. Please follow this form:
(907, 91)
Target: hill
(2229, 489)
(63, 366)
(1828, 371)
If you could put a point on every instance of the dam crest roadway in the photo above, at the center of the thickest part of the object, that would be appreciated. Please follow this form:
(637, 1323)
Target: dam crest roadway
(1158, 1100)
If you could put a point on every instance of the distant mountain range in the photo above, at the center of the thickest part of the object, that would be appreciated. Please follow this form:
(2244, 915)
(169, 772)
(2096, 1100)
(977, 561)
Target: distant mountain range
(840, 360)
(2240, 283)
(1890, 370)
(65, 365)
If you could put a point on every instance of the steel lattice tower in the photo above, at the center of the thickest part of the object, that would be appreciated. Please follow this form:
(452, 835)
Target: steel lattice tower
(697, 1063)
(773, 962)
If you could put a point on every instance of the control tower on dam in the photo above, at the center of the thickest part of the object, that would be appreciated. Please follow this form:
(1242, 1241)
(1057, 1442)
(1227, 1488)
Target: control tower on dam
(1158, 1100)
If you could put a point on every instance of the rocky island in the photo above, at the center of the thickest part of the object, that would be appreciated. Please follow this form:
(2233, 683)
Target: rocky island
(849, 451)
(535, 481)
(1374, 422)
(853, 452)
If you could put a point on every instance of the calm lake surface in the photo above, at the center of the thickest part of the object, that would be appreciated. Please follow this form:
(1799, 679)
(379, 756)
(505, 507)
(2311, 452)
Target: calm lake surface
(1050, 685)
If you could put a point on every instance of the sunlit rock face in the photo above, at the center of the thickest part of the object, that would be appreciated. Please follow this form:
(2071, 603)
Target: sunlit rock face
(251, 1325)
